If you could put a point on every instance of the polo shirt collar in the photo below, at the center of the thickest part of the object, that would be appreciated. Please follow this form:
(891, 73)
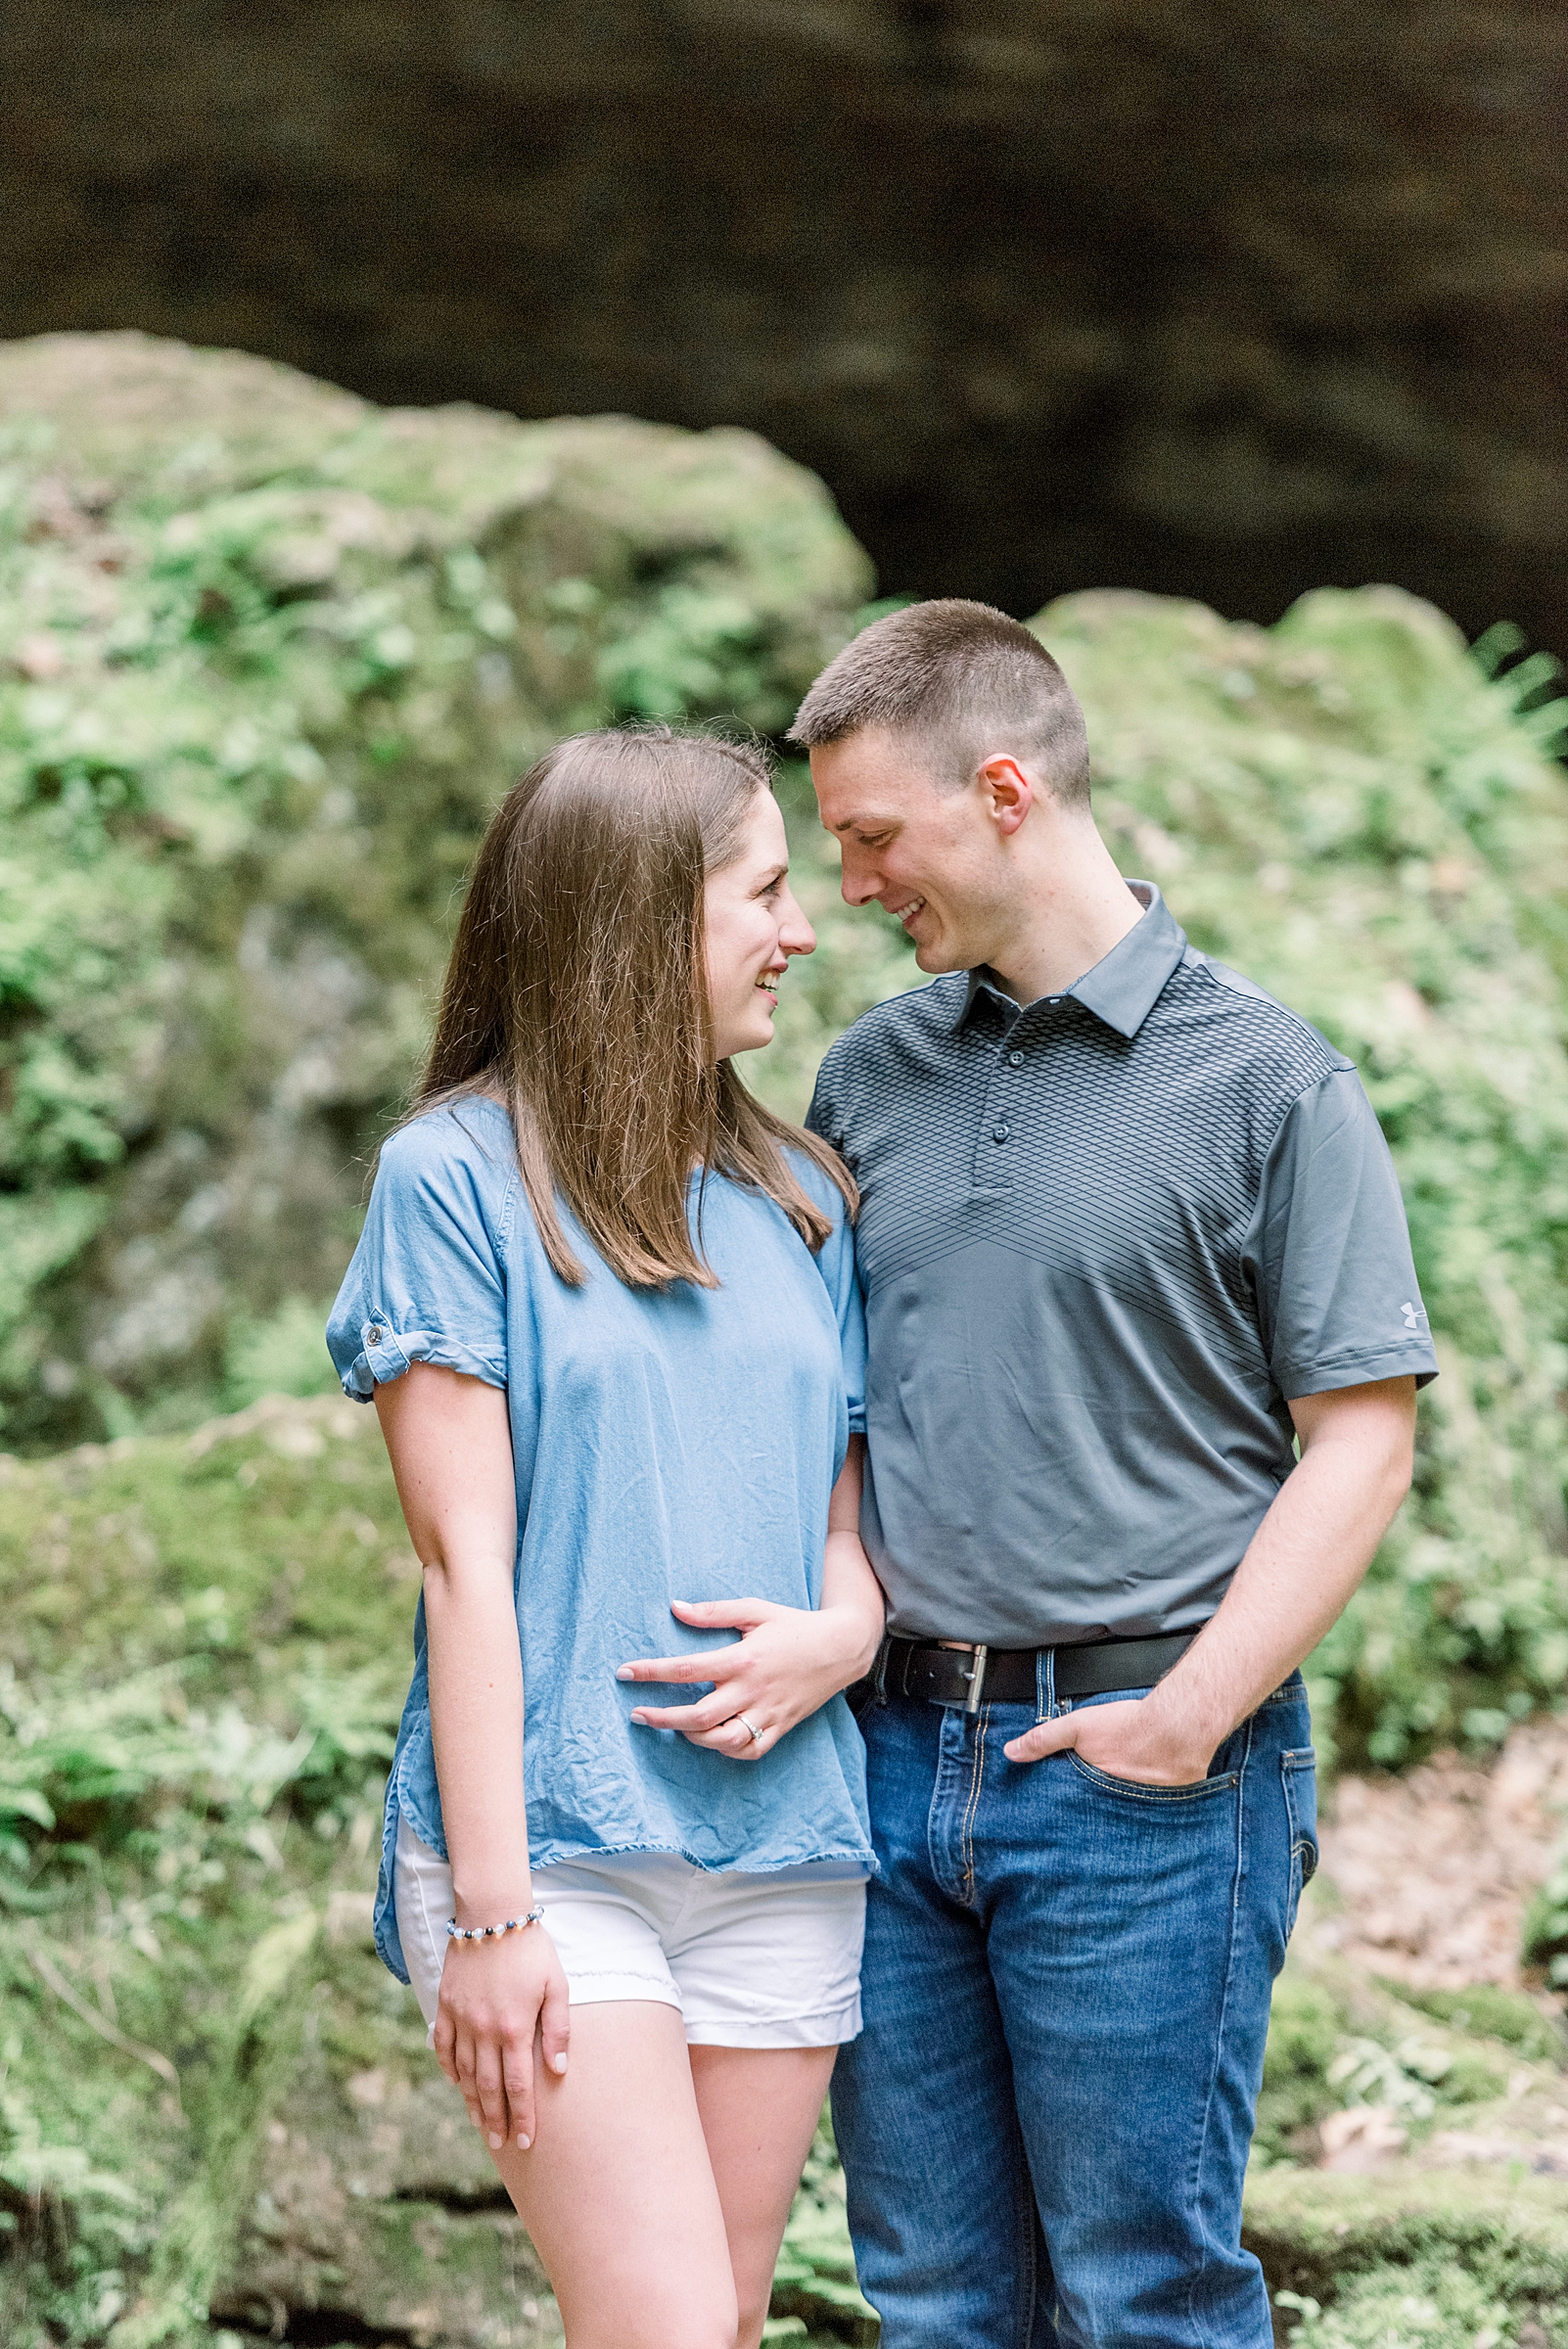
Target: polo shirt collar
(1123, 987)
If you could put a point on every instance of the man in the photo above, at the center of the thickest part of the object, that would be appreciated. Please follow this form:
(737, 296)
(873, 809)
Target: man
(1130, 1236)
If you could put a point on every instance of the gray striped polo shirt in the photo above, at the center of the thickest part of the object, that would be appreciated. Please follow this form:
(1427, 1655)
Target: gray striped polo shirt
(1103, 1240)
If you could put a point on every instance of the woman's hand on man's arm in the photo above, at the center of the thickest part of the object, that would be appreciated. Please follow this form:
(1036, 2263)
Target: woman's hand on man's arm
(788, 1661)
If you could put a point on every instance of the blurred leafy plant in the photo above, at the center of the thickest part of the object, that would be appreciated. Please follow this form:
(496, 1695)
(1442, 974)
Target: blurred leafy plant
(1544, 1940)
(173, 1821)
(1432, 2306)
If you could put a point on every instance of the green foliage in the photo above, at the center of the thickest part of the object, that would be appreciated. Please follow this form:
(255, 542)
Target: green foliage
(271, 658)
(1432, 2306)
(280, 1353)
(1418, 2261)
(861, 958)
(198, 1689)
(814, 2287)
(1305, 2032)
(1334, 2043)
(1510, 2016)
(1544, 1941)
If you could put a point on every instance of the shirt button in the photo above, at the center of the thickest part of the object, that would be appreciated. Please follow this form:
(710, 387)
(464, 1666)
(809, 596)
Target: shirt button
(373, 1335)
(1000, 1134)
(1015, 1060)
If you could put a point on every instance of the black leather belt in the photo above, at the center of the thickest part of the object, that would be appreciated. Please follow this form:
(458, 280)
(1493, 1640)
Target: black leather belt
(971, 1677)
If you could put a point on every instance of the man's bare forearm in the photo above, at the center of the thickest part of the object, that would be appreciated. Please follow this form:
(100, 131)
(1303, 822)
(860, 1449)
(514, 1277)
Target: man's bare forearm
(1300, 1572)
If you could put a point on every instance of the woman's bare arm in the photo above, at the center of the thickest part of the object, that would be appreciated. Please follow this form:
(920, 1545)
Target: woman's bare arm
(451, 1455)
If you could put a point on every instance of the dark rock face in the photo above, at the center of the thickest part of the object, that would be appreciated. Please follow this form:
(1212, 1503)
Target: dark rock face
(1222, 300)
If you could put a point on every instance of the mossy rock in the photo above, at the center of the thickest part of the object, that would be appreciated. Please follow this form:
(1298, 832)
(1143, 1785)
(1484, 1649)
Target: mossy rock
(1519, 2020)
(1469, 2251)
(203, 1649)
(274, 652)
(272, 656)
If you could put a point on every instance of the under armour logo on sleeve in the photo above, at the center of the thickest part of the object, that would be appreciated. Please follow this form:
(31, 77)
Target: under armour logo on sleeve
(1413, 1315)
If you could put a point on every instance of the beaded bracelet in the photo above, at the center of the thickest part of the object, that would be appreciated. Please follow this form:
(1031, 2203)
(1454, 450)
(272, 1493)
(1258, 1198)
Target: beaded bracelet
(513, 1924)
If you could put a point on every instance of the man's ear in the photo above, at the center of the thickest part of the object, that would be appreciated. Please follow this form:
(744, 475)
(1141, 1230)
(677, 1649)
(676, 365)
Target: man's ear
(1009, 792)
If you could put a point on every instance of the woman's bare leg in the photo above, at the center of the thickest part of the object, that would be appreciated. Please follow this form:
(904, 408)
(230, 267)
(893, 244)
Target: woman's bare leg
(618, 2192)
(759, 2108)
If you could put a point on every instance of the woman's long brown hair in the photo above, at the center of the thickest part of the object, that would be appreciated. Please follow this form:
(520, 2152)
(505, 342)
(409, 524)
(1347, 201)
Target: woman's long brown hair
(578, 994)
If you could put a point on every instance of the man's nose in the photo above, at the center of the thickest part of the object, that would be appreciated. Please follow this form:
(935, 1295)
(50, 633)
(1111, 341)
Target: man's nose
(857, 883)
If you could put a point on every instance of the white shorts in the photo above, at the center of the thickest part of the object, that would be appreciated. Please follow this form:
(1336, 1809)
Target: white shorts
(749, 1962)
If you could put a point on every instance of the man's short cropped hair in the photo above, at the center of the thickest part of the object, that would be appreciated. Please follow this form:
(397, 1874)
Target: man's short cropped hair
(965, 679)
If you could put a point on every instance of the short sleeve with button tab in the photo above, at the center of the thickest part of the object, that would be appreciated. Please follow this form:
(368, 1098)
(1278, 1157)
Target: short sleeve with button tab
(426, 1283)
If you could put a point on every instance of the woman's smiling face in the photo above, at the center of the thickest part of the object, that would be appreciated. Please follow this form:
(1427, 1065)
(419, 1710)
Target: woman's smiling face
(753, 927)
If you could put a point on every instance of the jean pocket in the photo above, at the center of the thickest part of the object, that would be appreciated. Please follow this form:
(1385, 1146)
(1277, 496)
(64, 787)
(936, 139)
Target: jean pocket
(1291, 1692)
(1298, 1770)
(1160, 1796)
(861, 1695)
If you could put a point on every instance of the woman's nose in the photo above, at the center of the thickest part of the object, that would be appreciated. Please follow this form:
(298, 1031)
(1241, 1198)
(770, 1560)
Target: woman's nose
(795, 933)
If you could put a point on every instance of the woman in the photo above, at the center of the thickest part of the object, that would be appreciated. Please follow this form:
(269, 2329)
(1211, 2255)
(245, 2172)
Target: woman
(606, 1305)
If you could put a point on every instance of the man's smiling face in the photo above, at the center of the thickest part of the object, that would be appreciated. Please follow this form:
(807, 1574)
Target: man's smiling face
(930, 855)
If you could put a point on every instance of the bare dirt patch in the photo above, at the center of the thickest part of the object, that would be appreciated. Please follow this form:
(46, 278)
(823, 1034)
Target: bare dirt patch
(1434, 1869)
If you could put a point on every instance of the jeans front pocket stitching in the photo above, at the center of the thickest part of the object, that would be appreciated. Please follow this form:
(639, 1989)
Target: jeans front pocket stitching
(1303, 1847)
(1153, 1794)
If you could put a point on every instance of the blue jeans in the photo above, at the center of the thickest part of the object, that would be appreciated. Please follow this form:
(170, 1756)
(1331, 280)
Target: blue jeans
(1044, 2124)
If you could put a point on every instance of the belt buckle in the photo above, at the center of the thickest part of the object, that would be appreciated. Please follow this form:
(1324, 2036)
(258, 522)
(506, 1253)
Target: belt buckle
(976, 1679)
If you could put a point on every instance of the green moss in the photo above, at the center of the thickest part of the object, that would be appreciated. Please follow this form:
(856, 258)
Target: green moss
(1304, 2038)
(1473, 2249)
(1545, 1935)
(1432, 2304)
(1511, 2016)
(190, 1749)
(277, 656)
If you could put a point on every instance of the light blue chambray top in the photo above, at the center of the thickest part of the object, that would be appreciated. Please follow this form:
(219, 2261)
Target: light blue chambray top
(674, 1444)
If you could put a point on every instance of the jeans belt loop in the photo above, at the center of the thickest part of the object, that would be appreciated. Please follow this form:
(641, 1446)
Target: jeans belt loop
(977, 1680)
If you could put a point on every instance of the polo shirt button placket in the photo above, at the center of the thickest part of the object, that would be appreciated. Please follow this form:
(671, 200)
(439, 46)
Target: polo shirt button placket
(988, 1172)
